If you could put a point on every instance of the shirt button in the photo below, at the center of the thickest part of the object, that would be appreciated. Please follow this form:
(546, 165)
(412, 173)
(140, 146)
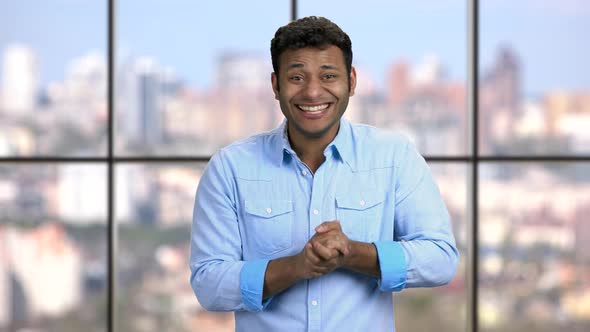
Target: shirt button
(316, 212)
(304, 172)
(268, 210)
(314, 302)
(362, 202)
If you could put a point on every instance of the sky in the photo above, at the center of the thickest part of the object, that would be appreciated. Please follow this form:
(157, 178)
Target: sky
(187, 35)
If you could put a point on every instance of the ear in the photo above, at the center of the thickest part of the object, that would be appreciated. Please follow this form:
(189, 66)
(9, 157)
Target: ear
(352, 81)
(275, 84)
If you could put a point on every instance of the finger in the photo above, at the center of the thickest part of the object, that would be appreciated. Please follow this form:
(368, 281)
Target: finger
(333, 240)
(339, 243)
(311, 255)
(327, 226)
(328, 267)
(324, 252)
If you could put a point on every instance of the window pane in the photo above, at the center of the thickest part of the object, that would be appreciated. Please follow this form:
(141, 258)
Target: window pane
(195, 78)
(154, 205)
(534, 253)
(410, 61)
(53, 264)
(442, 308)
(53, 78)
(534, 77)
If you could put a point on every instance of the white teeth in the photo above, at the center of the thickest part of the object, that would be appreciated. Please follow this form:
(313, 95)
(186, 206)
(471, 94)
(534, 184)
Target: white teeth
(314, 109)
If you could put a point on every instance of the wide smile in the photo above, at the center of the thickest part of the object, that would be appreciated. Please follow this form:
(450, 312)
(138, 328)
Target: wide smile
(313, 111)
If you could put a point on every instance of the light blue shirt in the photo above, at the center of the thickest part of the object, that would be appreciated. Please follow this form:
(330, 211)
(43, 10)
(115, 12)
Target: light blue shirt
(257, 201)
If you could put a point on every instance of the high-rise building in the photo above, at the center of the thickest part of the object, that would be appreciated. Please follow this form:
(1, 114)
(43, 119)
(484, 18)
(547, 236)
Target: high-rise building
(142, 96)
(399, 83)
(504, 78)
(20, 80)
(500, 99)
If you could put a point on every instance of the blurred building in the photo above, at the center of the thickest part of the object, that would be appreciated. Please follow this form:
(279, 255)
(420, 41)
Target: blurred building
(568, 114)
(176, 194)
(5, 293)
(582, 232)
(16, 140)
(428, 107)
(544, 228)
(20, 80)
(243, 71)
(81, 193)
(143, 94)
(45, 273)
(81, 99)
(243, 102)
(428, 72)
(500, 99)
(398, 87)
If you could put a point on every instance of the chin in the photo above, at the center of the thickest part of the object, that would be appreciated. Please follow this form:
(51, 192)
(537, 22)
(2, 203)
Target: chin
(314, 133)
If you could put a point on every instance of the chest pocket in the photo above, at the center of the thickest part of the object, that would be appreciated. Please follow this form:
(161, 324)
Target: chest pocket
(268, 224)
(359, 213)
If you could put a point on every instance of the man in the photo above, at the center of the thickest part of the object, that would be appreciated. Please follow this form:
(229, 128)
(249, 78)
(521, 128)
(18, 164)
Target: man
(310, 227)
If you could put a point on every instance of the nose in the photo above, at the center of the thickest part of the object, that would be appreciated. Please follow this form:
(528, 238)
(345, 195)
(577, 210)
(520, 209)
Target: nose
(312, 89)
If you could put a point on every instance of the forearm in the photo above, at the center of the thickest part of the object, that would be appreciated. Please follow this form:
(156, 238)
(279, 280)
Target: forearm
(363, 259)
(280, 274)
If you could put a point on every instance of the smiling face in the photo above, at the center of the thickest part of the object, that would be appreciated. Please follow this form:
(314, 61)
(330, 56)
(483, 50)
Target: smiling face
(313, 88)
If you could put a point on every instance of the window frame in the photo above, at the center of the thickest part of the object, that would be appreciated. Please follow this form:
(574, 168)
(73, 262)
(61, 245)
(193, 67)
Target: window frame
(472, 160)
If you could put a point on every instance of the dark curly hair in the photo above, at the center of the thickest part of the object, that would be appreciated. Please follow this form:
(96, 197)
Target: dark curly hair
(311, 31)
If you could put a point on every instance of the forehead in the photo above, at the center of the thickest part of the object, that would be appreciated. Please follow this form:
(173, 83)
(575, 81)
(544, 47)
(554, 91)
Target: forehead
(312, 57)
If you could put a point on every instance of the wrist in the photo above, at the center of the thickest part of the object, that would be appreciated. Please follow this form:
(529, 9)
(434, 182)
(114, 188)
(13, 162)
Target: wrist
(352, 254)
(296, 269)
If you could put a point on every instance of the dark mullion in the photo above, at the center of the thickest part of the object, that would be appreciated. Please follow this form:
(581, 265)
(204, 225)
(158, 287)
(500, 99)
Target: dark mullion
(533, 159)
(41, 160)
(111, 229)
(293, 10)
(102, 160)
(176, 159)
(474, 43)
(161, 159)
(508, 159)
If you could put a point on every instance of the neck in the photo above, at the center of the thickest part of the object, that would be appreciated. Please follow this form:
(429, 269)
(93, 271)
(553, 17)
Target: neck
(310, 149)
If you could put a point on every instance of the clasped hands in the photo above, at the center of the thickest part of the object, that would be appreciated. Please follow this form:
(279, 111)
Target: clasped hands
(326, 251)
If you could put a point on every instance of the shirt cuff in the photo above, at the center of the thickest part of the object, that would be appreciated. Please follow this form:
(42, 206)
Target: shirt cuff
(392, 263)
(252, 284)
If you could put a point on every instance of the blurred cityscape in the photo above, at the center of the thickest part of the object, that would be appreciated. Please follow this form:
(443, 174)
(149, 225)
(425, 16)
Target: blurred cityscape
(534, 260)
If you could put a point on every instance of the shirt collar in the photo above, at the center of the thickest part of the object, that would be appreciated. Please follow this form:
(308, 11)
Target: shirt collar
(341, 146)
(280, 149)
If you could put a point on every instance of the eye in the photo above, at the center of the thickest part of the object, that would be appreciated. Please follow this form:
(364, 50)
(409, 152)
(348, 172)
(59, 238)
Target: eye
(329, 76)
(296, 78)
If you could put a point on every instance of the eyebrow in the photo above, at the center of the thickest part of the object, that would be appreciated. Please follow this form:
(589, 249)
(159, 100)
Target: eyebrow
(300, 65)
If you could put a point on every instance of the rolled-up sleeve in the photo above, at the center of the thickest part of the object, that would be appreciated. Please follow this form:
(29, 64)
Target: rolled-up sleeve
(252, 284)
(392, 264)
(422, 226)
(220, 279)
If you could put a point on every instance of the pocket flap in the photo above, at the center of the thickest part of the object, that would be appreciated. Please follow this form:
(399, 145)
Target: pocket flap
(360, 200)
(268, 208)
